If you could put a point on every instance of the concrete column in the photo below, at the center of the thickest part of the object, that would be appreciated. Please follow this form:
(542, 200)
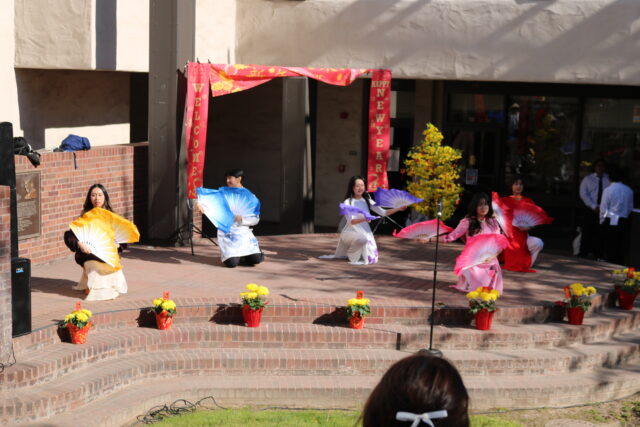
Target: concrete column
(171, 45)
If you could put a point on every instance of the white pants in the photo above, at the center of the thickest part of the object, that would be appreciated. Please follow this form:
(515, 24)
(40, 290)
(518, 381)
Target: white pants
(534, 245)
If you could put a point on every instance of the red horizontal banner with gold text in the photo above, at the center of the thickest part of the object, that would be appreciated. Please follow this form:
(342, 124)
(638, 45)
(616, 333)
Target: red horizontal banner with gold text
(226, 79)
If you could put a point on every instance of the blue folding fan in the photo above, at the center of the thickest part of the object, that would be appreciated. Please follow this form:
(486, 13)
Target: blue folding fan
(215, 207)
(241, 201)
(352, 210)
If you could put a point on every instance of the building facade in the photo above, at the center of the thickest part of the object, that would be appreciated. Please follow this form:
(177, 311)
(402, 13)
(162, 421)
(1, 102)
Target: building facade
(536, 87)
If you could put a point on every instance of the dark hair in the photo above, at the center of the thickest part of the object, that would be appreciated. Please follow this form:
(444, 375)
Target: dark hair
(616, 174)
(600, 160)
(419, 383)
(474, 224)
(352, 183)
(87, 201)
(516, 178)
(236, 173)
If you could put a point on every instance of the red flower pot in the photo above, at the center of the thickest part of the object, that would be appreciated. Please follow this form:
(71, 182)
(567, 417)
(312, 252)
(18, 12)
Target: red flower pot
(626, 299)
(356, 321)
(251, 317)
(78, 335)
(164, 320)
(484, 319)
(575, 315)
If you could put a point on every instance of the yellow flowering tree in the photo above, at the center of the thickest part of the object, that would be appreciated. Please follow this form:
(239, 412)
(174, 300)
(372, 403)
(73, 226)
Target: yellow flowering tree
(483, 298)
(434, 170)
(254, 296)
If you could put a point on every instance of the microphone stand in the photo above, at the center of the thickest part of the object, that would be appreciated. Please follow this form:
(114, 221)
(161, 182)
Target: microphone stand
(432, 350)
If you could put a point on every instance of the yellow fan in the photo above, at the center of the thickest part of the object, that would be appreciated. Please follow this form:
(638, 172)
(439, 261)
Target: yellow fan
(99, 236)
(125, 231)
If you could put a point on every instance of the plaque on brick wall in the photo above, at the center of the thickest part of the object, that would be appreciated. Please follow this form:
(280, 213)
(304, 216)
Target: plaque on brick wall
(28, 197)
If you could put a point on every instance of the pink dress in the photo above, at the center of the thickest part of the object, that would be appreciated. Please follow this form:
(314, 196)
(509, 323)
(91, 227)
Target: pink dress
(488, 274)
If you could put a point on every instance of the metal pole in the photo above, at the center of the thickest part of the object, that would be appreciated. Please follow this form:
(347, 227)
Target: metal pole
(435, 274)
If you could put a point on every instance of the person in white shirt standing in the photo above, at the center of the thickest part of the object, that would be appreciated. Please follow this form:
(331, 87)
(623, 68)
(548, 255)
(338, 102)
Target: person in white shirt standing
(615, 209)
(591, 189)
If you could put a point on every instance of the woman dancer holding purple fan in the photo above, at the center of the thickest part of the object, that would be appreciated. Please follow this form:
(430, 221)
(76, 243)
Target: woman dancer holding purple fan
(356, 239)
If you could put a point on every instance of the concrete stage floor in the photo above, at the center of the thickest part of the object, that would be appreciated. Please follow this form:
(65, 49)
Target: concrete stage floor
(293, 272)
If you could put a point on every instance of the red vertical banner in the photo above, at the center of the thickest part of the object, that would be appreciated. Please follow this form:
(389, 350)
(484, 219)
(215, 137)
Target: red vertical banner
(196, 114)
(379, 141)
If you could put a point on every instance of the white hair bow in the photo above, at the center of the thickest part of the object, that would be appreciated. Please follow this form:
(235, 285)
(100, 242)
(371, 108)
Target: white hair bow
(417, 418)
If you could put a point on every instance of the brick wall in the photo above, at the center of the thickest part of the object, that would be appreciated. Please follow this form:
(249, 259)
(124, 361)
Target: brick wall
(122, 169)
(5, 273)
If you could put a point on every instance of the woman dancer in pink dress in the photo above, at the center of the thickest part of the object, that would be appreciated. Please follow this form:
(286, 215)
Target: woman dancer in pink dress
(479, 220)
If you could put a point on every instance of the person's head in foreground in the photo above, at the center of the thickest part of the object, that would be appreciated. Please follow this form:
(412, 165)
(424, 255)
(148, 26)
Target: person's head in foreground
(421, 389)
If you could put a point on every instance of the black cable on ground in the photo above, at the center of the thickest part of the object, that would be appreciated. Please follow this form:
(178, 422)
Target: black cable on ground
(178, 407)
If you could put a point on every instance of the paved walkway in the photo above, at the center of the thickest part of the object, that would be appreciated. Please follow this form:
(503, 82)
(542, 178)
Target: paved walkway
(293, 271)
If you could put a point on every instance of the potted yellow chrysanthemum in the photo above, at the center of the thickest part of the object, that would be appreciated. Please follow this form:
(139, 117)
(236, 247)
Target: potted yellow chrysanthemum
(78, 323)
(357, 309)
(482, 304)
(164, 309)
(577, 301)
(253, 302)
(627, 287)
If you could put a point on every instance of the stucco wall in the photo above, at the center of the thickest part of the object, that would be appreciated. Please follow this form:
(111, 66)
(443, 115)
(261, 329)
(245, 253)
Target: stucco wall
(339, 143)
(53, 33)
(587, 41)
(216, 31)
(55, 103)
(82, 34)
(8, 89)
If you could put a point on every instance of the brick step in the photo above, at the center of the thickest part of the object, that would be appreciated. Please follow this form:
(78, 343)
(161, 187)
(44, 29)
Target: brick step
(187, 315)
(121, 406)
(599, 385)
(299, 345)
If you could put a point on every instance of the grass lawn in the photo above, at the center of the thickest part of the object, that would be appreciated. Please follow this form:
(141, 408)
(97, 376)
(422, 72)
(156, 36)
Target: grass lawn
(625, 412)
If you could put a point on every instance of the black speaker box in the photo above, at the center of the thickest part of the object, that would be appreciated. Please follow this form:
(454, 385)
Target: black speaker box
(7, 163)
(21, 296)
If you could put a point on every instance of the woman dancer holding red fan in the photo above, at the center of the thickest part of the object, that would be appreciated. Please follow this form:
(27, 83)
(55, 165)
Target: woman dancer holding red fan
(523, 249)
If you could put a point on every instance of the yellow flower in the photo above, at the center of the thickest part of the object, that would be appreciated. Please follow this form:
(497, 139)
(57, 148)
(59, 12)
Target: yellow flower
(365, 301)
(590, 290)
(473, 295)
(158, 302)
(82, 317)
(244, 294)
(69, 317)
(576, 288)
(495, 292)
(252, 295)
(486, 297)
(252, 287)
(578, 292)
(352, 301)
(263, 290)
(168, 305)
(87, 312)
